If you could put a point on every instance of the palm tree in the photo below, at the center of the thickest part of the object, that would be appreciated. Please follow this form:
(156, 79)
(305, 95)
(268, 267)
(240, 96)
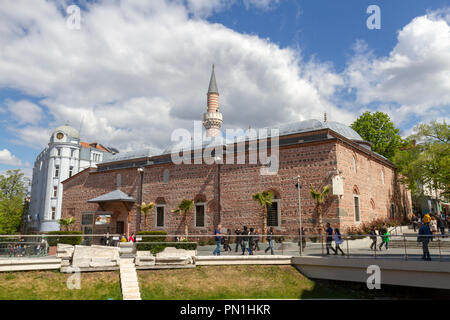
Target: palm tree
(185, 207)
(320, 198)
(66, 222)
(265, 200)
(145, 208)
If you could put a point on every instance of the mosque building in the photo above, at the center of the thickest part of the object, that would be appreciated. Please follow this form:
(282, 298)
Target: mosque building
(364, 184)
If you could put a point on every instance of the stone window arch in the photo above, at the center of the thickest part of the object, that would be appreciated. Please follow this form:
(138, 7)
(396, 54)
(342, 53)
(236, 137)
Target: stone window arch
(356, 204)
(160, 212)
(274, 211)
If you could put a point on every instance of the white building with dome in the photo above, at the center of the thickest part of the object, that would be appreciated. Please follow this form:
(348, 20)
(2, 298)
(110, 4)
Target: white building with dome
(65, 156)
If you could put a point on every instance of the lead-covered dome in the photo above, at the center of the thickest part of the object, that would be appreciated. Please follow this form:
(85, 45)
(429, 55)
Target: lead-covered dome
(67, 130)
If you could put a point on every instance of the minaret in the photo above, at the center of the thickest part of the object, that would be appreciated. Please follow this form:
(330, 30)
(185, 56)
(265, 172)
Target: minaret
(212, 119)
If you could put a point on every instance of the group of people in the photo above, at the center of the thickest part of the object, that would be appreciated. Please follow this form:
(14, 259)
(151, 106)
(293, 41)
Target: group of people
(333, 236)
(383, 232)
(21, 249)
(437, 224)
(247, 240)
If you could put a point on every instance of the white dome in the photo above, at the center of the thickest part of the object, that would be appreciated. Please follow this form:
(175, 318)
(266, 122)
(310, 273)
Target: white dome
(68, 130)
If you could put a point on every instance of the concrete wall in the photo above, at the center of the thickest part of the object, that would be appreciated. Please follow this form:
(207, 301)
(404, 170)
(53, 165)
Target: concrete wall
(428, 274)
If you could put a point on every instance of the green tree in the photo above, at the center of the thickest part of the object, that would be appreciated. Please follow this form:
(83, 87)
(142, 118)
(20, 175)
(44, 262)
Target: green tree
(378, 129)
(13, 188)
(66, 222)
(145, 209)
(320, 197)
(426, 160)
(264, 199)
(185, 207)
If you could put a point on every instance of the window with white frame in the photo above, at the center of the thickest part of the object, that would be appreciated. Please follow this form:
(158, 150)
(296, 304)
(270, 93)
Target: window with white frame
(53, 213)
(56, 171)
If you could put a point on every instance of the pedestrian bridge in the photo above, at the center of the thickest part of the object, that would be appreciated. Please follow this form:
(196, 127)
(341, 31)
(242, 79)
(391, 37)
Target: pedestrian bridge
(426, 274)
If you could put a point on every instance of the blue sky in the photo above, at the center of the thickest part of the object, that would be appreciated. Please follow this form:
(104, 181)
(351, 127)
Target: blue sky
(138, 70)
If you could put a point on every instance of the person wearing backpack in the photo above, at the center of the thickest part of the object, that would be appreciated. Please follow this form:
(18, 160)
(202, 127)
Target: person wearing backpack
(338, 241)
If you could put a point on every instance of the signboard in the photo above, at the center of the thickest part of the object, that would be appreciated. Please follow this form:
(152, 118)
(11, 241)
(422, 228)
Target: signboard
(338, 186)
(102, 219)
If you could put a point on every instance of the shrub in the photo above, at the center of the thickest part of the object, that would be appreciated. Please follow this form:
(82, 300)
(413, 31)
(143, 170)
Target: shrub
(158, 247)
(75, 240)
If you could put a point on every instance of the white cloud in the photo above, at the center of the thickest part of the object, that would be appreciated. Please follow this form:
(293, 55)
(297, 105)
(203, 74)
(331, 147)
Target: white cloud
(24, 111)
(261, 4)
(415, 78)
(9, 159)
(137, 70)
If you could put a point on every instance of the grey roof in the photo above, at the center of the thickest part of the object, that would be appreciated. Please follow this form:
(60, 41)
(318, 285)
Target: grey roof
(212, 83)
(68, 130)
(312, 125)
(115, 195)
(136, 154)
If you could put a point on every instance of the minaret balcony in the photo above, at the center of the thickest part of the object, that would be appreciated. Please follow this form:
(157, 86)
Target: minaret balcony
(212, 116)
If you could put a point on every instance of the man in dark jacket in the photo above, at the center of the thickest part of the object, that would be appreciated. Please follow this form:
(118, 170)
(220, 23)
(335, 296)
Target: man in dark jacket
(329, 239)
(425, 236)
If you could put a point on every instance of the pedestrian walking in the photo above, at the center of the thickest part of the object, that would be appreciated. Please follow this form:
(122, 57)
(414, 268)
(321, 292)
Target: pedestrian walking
(256, 241)
(425, 236)
(11, 250)
(441, 226)
(373, 237)
(238, 233)
(414, 221)
(433, 225)
(251, 239)
(385, 237)
(269, 238)
(329, 238)
(246, 240)
(226, 241)
(338, 241)
(132, 238)
(218, 238)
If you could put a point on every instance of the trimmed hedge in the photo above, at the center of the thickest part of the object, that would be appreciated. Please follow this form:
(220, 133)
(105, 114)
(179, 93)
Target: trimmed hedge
(53, 241)
(158, 247)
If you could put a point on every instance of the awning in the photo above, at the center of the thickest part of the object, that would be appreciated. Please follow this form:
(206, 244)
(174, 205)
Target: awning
(113, 196)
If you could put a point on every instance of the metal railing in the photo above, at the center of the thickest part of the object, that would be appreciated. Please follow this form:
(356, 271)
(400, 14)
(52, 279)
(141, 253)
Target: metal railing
(404, 246)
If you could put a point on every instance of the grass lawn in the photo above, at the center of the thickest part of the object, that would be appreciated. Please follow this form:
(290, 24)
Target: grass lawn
(235, 282)
(51, 285)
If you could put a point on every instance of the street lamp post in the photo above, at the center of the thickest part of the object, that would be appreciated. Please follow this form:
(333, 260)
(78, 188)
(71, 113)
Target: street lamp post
(218, 159)
(298, 185)
(138, 220)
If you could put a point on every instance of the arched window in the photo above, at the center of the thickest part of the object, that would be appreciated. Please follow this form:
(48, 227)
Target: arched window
(273, 211)
(160, 205)
(166, 176)
(372, 204)
(200, 211)
(356, 204)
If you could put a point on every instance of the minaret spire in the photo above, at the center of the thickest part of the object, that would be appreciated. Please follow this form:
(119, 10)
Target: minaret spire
(212, 119)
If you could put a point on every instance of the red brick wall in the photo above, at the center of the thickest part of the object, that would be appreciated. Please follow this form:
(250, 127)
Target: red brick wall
(313, 162)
